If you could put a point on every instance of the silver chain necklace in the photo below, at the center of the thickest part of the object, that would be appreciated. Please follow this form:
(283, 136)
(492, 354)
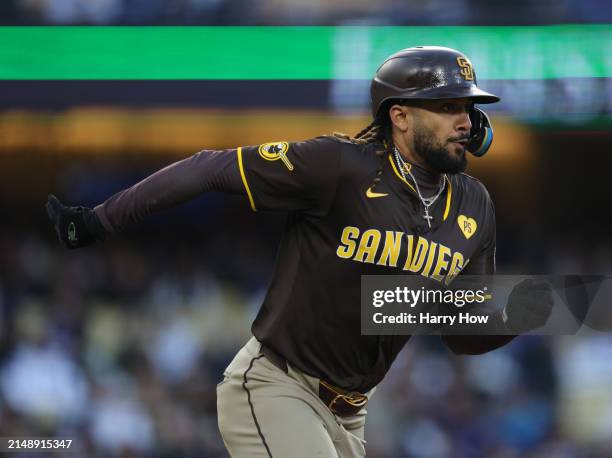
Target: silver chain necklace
(426, 201)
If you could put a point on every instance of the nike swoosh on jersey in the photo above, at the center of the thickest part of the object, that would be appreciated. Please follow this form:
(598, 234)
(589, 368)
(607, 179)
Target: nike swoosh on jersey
(371, 194)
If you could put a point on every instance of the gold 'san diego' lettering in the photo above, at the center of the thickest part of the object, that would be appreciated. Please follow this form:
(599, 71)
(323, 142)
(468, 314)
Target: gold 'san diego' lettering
(421, 256)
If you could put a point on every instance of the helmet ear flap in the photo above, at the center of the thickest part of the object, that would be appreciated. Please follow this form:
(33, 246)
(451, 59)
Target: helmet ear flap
(481, 134)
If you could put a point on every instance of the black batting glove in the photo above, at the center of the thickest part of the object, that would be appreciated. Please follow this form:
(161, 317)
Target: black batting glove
(75, 226)
(529, 306)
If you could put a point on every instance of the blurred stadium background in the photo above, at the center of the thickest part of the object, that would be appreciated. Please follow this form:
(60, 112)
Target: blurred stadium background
(120, 346)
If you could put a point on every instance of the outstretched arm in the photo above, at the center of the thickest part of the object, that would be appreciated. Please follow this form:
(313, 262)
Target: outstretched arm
(177, 183)
(170, 186)
(296, 176)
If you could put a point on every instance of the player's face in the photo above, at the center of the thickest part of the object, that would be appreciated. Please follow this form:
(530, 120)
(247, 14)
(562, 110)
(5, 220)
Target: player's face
(441, 129)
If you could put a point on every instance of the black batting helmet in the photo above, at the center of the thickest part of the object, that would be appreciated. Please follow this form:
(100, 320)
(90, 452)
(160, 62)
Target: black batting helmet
(431, 73)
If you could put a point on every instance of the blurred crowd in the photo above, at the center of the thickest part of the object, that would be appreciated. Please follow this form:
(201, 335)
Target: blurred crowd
(295, 12)
(120, 346)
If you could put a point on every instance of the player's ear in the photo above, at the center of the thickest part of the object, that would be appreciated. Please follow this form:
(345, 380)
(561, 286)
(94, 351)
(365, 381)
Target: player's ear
(400, 117)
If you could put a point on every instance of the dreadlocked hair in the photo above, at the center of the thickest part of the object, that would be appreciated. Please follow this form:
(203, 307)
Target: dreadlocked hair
(378, 131)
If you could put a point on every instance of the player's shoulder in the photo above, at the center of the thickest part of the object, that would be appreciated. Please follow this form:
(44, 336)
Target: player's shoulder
(323, 152)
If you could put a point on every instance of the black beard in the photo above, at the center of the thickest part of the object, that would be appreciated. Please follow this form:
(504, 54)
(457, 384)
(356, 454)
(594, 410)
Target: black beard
(436, 156)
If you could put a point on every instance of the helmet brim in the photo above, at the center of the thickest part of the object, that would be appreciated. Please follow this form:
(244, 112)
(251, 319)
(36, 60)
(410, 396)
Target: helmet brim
(471, 92)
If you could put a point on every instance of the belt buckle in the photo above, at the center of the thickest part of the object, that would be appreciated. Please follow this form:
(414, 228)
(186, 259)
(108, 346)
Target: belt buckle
(355, 399)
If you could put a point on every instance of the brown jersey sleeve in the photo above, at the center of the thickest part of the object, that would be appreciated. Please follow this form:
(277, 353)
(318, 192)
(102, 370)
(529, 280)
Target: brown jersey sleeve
(172, 185)
(300, 176)
(482, 264)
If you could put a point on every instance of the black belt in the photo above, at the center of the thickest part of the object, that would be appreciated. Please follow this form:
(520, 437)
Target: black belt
(341, 402)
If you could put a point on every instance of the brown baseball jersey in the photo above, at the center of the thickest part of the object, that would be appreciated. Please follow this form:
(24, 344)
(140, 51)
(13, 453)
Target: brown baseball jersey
(338, 228)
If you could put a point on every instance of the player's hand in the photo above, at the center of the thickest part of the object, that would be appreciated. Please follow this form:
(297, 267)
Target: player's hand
(75, 226)
(529, 306)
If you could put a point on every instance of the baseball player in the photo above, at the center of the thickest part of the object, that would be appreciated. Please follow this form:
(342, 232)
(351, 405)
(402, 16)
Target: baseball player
(390, 200)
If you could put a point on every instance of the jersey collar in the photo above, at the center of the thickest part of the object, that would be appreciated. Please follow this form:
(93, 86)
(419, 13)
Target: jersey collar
(449, 187)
